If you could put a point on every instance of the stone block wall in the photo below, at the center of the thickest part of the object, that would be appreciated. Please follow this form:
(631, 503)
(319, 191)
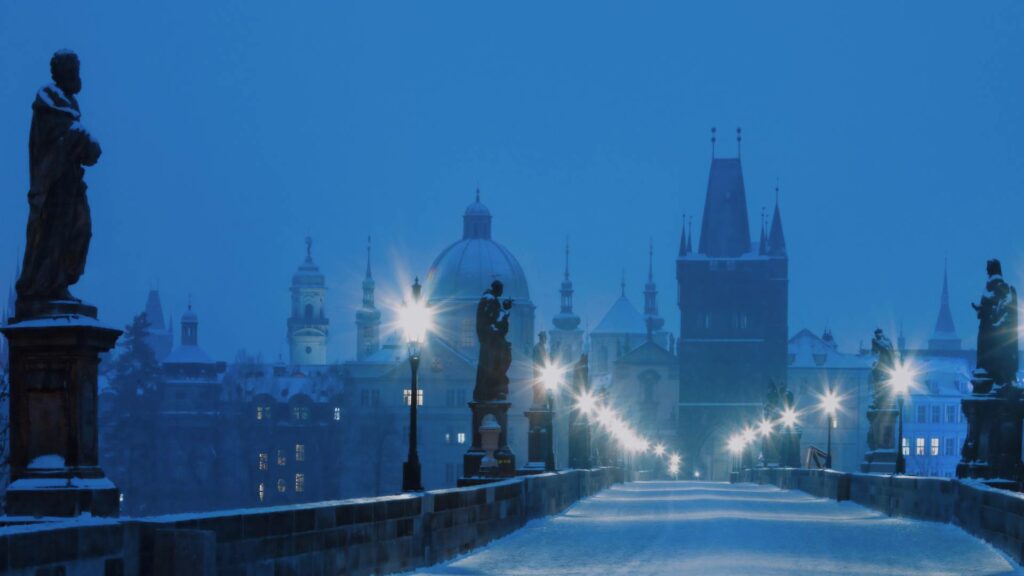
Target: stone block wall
(994, 515)
(360, 536)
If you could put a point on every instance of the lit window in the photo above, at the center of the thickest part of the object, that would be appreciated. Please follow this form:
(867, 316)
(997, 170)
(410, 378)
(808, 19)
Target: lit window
(281, 486)
(462, 437)
(919, 447)
(260, 490)
(447, 437)
(263, 412)
(337, 413)
(407, 393)
(300, 482)
(281, 458)
(906, 447)
(264, 460)
(835, 421)
(300, 412)
(935, 447)
(300, 452)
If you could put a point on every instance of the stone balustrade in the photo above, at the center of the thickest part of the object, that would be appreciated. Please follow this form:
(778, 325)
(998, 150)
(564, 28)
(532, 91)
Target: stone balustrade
(360, 536)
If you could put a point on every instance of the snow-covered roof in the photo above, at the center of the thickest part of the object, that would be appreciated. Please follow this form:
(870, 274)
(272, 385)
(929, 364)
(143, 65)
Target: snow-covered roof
(622, 318)
(319, 387)
(188, 354)
(807, 350)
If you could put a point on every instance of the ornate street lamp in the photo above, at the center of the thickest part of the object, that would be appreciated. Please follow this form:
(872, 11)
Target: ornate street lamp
(829, 404)
(551, 379)
(901, 378)
(415, 320)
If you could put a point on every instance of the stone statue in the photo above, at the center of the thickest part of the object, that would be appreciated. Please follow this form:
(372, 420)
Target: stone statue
(540, 361)
(495, 351)
(59, 225)
(997, 331)
(882, 347)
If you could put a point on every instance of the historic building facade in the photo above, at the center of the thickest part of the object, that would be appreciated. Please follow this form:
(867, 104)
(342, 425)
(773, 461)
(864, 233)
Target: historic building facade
(733, 302)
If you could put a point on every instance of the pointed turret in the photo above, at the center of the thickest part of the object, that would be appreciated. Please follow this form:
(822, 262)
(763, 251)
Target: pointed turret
(776, 239)
(762, 246)
(944, 337)
(684, 248)
(368, 316)
(725, 230)
(653, 321)
(566, 319)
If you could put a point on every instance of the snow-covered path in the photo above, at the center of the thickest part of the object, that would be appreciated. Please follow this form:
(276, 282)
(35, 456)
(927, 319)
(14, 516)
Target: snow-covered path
(709, 528)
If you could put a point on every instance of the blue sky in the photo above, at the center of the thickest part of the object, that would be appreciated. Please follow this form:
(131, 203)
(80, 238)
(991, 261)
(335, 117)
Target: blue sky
(231, 130)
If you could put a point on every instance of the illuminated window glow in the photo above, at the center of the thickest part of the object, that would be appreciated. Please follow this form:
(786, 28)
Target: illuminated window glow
(462, 437)
(935, 447)
(407, 394)
(281, 486)
(906, 447)
(281, 458)
(264, 461)
(919, 447)
(260, 490)
(300, 452)
(300, 482)
(300, 412)
(337, 413)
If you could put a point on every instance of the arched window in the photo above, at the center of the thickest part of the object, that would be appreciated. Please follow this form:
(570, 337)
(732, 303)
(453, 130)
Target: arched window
(309, 311)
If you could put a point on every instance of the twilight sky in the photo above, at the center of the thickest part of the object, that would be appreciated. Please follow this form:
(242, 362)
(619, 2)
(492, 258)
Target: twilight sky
(232, 129)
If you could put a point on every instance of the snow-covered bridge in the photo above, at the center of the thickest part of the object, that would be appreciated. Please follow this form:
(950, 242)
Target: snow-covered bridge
(709, 528)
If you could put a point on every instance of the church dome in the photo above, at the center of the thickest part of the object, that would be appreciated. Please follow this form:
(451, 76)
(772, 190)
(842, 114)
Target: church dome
(466, 268)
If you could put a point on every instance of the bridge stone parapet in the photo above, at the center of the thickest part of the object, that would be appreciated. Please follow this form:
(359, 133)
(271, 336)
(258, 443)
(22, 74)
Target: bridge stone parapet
(359, 536)
(992, 514)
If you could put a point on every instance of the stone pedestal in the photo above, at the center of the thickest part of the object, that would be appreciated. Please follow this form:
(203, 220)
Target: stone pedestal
(881, 455)
(992, 449)
(539, 439)
(579, 441)
(54, 357)
(506, 467)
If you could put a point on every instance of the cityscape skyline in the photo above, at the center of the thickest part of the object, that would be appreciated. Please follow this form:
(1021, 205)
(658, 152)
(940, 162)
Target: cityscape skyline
(603, 142)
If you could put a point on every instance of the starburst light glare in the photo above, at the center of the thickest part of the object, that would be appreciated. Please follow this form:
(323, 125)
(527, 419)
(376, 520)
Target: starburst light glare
(764, 427)
(789, 417)
(902, 378)
(735, 443)
(415, 317)
(551, 376)
(748, 435)
(586, 403)
(659, 450)
(829, 402)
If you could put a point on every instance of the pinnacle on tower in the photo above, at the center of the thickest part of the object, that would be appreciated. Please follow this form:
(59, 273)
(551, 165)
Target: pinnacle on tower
(776, 239)
(368, 316)
(944, 337)
(566, 319)
(653, 321)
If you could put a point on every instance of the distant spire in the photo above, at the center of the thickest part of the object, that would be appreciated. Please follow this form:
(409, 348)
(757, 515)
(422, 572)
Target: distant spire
(739, 141)
(944, 337)
(713, 130)
(477, 192)
(622, 283)
(682, 238)
(566, 257)
(309, 248)
(368, 317)
(776, 238)
(689, 237)
(652, 320)
(566, 319)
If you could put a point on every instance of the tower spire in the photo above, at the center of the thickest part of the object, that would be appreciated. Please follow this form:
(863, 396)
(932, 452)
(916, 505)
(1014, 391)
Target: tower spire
(689, 237)
(369, 272)
(622, 283)
(944, 337)
(739, 141)
(713, 130)
(566, 257)
(763, 245)
(776, 238)
(652, 320)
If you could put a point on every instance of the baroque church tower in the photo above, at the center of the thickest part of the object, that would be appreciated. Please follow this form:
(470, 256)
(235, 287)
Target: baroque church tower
(733, 303)
(368, 316)
(307, 325)
(566, 338)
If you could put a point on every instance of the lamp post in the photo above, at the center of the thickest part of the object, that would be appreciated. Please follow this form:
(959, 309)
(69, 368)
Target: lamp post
(829, 405)
(551, 377)
(901, 378)
(415, 320)
(764, 428)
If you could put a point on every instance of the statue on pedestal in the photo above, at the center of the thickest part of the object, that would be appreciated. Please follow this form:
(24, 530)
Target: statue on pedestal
(995, 411)
(59, 224)
(495, 351)
(997, 332)
(54, 365)
(882, 413)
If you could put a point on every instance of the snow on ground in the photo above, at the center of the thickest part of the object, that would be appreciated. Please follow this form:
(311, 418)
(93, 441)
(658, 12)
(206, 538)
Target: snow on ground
(710, 528)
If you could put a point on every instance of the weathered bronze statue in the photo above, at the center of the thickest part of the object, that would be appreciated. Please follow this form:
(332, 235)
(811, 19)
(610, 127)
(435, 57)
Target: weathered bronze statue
(59, 225)
(495, 352)
(997, 330)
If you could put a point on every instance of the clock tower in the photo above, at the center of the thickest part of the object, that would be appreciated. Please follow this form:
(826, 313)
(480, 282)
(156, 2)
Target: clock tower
(307, 325)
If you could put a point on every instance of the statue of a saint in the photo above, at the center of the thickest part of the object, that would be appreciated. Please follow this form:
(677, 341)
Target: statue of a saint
(495, 352)
(540, 361)
(881, 347)
(59, 225)
(997, 330)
